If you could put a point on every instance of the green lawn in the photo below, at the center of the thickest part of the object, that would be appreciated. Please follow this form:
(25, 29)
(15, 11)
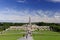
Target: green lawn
(11, 35)
(46, 35)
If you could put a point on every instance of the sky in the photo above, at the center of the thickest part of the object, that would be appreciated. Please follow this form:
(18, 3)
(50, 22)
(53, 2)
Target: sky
(38, 10)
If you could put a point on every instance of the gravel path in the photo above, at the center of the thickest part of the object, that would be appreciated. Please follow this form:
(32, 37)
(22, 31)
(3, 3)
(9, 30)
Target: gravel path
(28, 38)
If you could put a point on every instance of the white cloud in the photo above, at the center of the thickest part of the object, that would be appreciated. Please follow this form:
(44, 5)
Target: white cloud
(54, 0)
(12, 15)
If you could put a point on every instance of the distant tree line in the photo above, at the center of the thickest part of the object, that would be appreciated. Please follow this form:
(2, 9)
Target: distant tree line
(6, 25)
(53, 26)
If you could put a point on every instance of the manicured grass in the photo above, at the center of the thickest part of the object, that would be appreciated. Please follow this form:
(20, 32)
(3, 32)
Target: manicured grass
(46, 35)
(11, 35)
(14, 31)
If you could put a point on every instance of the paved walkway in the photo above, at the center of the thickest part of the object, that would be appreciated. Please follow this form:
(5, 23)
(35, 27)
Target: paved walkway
(28, 38)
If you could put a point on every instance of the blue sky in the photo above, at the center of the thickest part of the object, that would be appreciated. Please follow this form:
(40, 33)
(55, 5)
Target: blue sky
(38, 10)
